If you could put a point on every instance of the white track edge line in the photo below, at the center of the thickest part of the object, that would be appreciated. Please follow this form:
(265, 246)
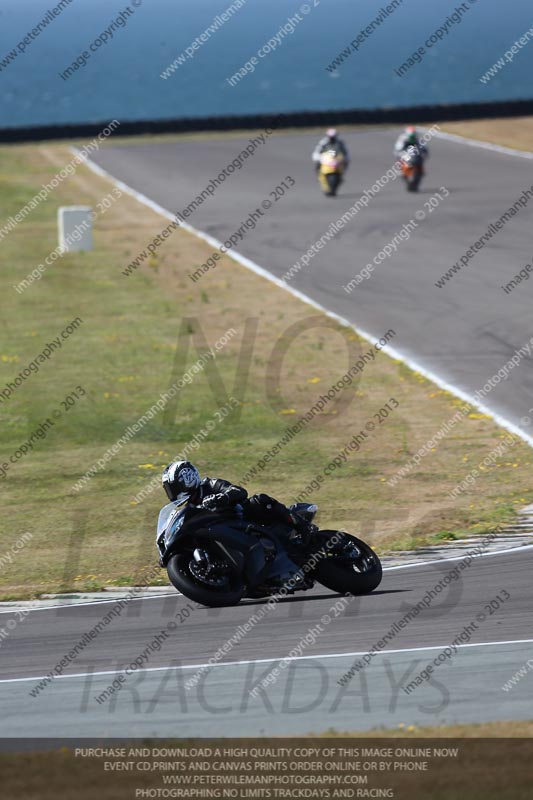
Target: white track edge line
(518, 548)
(14, 609)
(264, 661)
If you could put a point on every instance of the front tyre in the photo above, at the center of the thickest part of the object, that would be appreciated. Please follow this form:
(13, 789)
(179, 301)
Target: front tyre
(351, 566)
(413, 182)
(226, 590)
(333, 181)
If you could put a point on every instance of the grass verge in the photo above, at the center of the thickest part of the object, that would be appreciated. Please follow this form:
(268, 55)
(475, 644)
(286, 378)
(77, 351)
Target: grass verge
(483, 730)
(470, 766)
(514, 132)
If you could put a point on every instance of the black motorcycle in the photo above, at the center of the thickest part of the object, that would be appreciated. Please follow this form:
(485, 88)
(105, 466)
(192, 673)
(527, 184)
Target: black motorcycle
(218, 557)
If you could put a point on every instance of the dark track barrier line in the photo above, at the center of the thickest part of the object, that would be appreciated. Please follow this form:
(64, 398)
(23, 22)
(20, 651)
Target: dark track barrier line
(297, 119)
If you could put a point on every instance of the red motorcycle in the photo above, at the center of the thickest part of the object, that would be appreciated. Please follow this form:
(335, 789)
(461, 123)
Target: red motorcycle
(412, 166)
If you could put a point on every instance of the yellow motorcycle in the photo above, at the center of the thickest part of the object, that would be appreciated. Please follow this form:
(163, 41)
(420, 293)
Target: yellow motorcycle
(330, 171)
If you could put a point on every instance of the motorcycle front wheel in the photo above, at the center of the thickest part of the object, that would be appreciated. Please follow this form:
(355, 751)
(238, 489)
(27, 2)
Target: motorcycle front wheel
(414, 182)
(333, 180)
(359, 572)
(227, 590)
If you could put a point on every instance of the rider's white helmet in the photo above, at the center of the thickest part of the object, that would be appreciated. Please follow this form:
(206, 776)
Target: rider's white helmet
(180, 480)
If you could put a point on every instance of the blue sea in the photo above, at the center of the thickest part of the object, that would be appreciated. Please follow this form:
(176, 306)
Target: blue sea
(121, 78)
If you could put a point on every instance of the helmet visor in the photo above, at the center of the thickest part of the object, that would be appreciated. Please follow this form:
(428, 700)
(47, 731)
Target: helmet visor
(179, 498)
(183, 497)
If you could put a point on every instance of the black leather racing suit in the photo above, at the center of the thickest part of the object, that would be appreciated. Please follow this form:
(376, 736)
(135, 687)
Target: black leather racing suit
(403, 143)
(223, 493)
(259, 508)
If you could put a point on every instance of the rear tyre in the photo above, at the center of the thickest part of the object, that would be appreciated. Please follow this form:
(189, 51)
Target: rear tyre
(228, 593)
(360, 575)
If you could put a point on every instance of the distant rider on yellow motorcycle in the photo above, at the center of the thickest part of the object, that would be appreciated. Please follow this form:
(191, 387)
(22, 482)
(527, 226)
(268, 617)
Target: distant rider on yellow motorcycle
(330, 141)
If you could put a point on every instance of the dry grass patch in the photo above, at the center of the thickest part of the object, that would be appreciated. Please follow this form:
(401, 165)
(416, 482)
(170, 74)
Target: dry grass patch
(514, 132)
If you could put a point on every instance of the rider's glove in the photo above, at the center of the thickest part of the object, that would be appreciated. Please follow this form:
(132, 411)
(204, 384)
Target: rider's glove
(214, 501)
(306, 530)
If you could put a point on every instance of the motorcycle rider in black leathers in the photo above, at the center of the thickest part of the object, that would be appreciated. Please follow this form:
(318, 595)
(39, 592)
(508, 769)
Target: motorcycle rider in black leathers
(182, 483)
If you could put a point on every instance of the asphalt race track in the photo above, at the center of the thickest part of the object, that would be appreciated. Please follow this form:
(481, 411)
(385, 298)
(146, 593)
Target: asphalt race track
(464, 332)
(306, 696)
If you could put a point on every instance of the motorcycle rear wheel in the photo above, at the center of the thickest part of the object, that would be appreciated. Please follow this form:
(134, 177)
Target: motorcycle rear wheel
(182, 579)
(359, 577)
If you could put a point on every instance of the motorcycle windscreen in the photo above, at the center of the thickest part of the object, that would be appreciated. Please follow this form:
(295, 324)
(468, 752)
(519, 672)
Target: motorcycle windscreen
(165, 516)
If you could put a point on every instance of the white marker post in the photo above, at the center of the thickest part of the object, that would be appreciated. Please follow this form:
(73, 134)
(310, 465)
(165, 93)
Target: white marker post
(75, 228)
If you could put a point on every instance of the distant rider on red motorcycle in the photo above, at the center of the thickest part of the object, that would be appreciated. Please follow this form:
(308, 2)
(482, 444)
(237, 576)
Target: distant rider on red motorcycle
(407, 140)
